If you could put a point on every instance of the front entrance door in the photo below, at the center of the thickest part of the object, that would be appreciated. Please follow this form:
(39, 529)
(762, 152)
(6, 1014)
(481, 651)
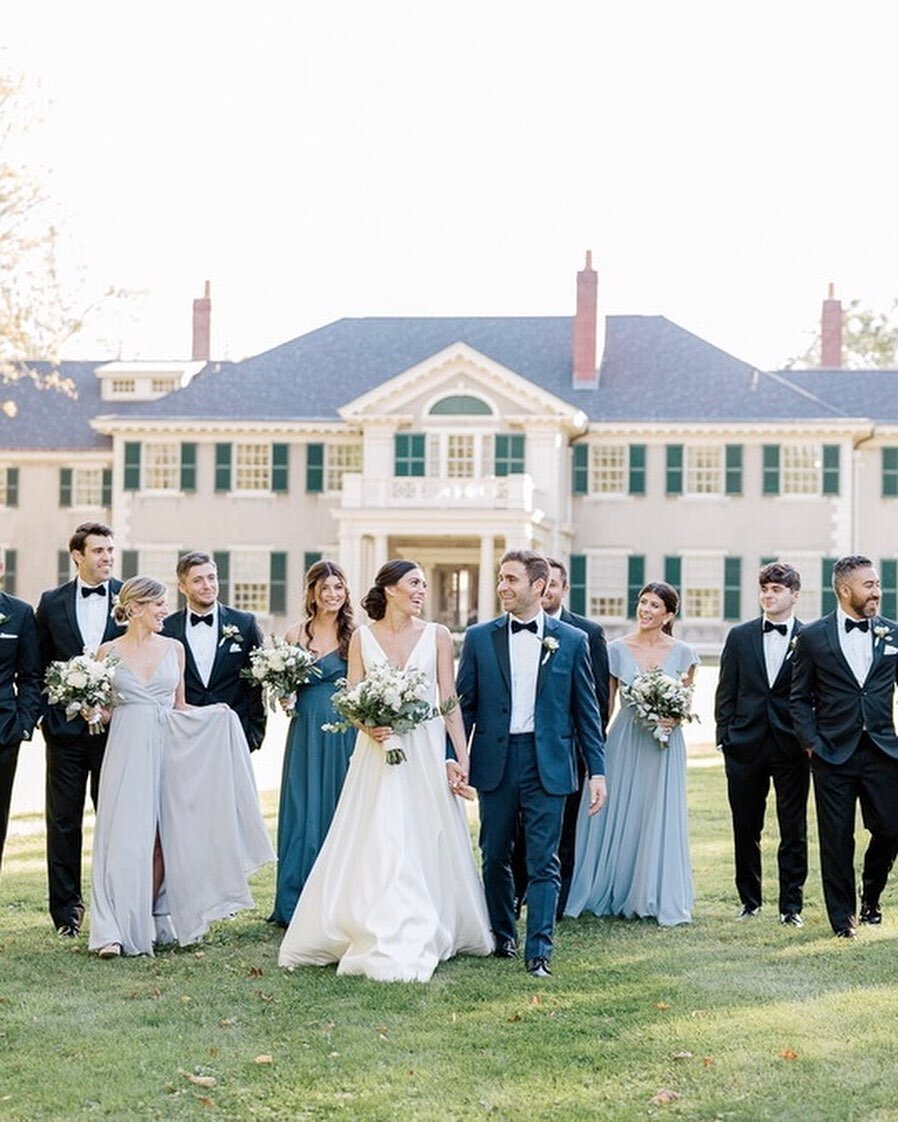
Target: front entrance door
(455, 595)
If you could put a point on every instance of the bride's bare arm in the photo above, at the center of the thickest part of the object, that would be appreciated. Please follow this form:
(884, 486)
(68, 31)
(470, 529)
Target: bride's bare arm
(446, 691)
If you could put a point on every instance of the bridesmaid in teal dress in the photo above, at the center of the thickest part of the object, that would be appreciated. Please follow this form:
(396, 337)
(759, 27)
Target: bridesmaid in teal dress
(315, 762)
(632, 859)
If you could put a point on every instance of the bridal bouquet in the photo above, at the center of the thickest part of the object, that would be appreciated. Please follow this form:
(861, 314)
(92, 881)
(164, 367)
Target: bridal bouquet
(83, 682)
(279, 667)
(655, 695)
(386, 696)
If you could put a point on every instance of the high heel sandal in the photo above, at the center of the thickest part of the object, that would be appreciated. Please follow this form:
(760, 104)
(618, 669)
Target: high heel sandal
(111, 950)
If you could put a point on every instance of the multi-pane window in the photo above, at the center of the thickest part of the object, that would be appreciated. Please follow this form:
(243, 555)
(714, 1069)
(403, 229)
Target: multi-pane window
(702, 588)
(341, 459)
(162, 466)
(164, 385)
(704, 470)
(608, 469)
(87, 486)
(800, 469)
(252, 467)
(607, 586)
(124, 386)
(460, 451)
(249, 581)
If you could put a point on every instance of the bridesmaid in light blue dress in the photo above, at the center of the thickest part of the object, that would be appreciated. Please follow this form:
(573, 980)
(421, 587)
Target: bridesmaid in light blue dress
(632, 859)
(315, 762)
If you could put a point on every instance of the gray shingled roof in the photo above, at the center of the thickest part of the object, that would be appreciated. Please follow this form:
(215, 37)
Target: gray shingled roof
(49, 419)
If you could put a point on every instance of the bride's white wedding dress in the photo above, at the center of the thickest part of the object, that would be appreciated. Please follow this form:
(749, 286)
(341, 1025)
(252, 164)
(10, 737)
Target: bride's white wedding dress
(394, 890)
(186, 773)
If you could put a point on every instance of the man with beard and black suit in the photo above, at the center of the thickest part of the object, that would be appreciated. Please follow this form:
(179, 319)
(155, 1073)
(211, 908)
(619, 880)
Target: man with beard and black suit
(553, 605)
(20, 691)
(755, 734)
(843, 687)
(73, 618)
(217, 640)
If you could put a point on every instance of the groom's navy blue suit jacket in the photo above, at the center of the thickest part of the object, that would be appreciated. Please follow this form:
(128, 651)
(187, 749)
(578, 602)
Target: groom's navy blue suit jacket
(565, 706)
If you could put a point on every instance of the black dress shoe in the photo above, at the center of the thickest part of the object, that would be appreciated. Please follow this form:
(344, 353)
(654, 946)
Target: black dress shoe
(846, 933)
(749, 911)
(791, 919)
(506, 948)
(538, 967)
(870, 913)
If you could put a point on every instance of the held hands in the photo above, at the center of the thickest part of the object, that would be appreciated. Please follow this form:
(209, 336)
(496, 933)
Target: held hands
(458, 780)
(96, 714)
(597, 794)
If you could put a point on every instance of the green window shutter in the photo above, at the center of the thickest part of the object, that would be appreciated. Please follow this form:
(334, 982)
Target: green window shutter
(130, 562)
(770, 460)
(314, 468)
(309, 558)
(827, 593)
(12, 486)
(277, 583)
(132, 465)
(63, 567)
(580, 470)
(508, 454)
(732, 587)
(890, 473)
(280, 468)
(408, 454)
(673, 568)
(674, 455)
(733, 483)
(188, 465)
(65, 486)
(767, 561)
(9, 575)
(107, 487)
(635, 581)
(222, 467)
(577, 570)
(831, 469)
(637, 469)
(222, 561)
(888, 575)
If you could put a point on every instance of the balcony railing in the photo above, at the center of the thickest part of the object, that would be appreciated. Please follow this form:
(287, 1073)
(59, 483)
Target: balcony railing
(511, 492)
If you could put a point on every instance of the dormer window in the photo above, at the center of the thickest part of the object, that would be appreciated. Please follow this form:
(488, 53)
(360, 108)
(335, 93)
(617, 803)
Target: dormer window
(124, 387)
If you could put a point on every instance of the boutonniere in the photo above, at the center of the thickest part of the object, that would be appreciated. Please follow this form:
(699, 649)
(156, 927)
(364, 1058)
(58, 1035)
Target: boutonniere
(883, 633)
(231, 632)
(4, 619)
(550, 646)
(793, 643)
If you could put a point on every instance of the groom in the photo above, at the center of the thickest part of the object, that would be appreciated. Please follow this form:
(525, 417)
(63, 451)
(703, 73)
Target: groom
(526, 689)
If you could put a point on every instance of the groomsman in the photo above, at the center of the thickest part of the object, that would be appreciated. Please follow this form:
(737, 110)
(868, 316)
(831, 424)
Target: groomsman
(528, 698)
(72, 618)
(21, 681)
(843, 686)
(553, 605)
(217, 640)
(755, 734)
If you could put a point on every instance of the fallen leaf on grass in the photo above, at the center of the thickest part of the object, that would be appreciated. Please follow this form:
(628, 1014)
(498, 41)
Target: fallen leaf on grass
(682, 1056)
(382, 1031)
(536, 999)
(254, 972)
(228, 1022)
(204, 1100)
(788, 1054)
(264, 1059)
(266, 996)
(199, 954)
(200, 1080)
(516, 1017)
(662, 1005)
(664, 1096)
(707, 1060)
(186, 997)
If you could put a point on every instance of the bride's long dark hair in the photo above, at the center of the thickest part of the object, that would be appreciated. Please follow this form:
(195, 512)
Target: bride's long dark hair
(315, 575)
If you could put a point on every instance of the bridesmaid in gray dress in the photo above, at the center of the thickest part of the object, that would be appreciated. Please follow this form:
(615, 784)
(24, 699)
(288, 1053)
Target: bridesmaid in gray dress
(632, 860)
(178, 826)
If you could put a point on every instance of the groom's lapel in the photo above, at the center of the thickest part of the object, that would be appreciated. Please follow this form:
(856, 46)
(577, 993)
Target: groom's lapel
(550, 628)
(500, 645)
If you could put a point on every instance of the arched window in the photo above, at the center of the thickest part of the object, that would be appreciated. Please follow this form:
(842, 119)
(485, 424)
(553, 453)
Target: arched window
(460, 405)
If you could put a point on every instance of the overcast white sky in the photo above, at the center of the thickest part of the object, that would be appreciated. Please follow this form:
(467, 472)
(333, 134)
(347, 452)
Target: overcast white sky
(324, 158)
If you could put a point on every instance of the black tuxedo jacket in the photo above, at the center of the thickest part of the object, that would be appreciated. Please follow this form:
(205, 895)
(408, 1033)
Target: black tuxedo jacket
(225, 683)
(598, 656)
(750, 713)
(21, 673)
(59, 638)
(830, 710)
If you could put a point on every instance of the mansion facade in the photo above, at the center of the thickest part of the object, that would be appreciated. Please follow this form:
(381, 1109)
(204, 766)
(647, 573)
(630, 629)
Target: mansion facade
(625, 445)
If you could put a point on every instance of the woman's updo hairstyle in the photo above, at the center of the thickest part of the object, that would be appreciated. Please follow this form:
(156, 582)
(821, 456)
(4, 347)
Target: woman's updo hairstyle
(137, 590)
(375, 599)
(668, 596)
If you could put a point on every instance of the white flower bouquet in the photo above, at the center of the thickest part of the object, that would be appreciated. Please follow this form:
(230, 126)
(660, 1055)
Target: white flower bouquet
(83, 682)
(386, 696)
(656, 696)
(279, 668)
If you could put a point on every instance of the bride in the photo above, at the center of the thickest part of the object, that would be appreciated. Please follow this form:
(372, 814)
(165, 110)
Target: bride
(394, 890)
(178, 825)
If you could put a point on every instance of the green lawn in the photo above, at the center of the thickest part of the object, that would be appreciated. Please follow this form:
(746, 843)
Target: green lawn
(737, 1020)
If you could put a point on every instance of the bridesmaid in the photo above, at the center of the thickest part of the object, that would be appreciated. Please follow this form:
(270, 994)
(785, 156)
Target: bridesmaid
(315, 762)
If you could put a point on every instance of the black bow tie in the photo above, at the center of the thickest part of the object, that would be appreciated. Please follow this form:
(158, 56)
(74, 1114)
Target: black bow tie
(100, 590)
(195, 619)
(860, 624)
(517, 626)
(782, 628)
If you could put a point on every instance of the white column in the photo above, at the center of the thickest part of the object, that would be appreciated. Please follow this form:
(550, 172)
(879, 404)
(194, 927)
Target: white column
(380, 551)
(486, 579)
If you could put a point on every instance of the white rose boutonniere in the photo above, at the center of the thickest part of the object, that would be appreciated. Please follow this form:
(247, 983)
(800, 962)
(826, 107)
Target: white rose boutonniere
(231, 632)
(793, 643)
(883, 633)
(550, 646)
(4, 618)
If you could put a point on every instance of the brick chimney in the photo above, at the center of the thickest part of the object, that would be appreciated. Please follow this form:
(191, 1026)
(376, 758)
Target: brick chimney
(202, 326)
(586, 374)
(831, 332)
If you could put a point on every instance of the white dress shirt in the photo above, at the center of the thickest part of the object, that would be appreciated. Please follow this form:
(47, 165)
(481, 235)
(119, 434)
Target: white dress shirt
(92, 612)
(857, 647)
(524, 651)
(776, 647)
(203, 641)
